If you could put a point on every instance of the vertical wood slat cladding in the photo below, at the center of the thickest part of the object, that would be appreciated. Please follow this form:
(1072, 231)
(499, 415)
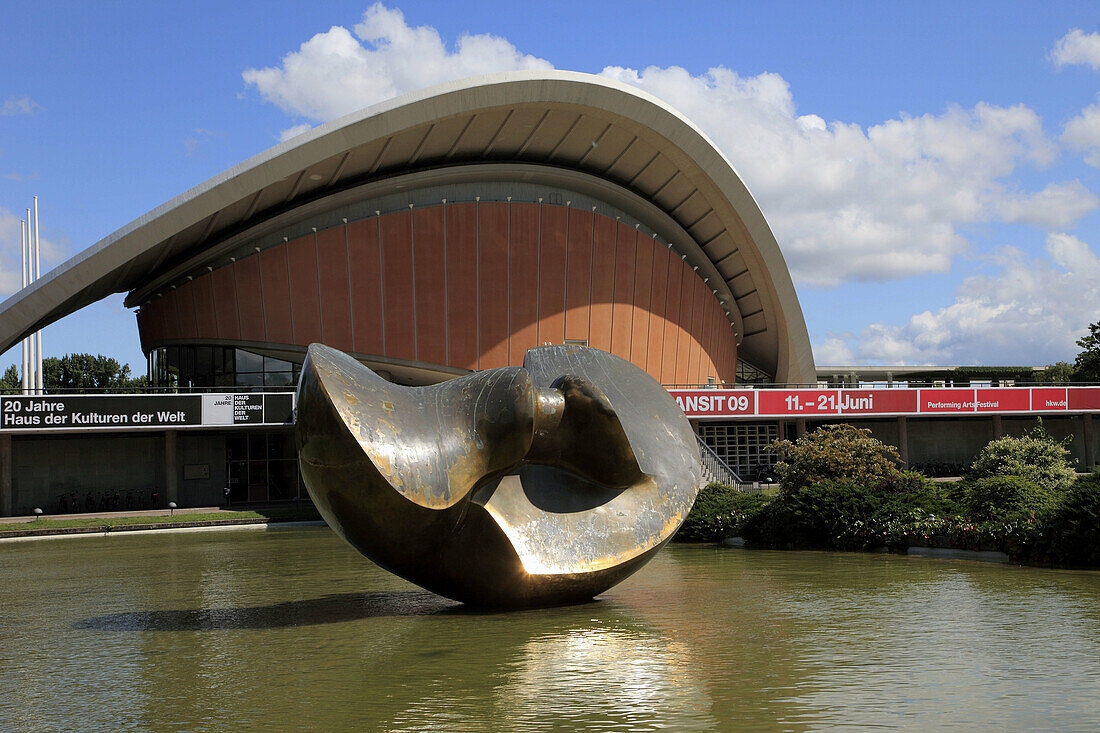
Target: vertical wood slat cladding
(603, 283)
(578, 277)
(275, 280)
(643, 276)
(185, 299)
(365, 278)
(468, 285)
(492, 227)
(687, 302)
(431, 306)
(462, 285)
(332, 278)
(622, 308)
(249, 299)
(397, 285)
(696, 332)
(204, 307)
(658, 289)
(671, 325)
(524, 278)
(226, 309)
(305, 297)
(552, 236)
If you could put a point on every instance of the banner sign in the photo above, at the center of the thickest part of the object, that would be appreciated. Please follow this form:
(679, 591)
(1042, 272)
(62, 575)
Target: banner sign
(725, 403)
(140, 411)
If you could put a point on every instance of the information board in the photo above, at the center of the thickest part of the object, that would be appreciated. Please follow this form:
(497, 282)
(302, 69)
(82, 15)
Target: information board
(726, 403)
(141, 412)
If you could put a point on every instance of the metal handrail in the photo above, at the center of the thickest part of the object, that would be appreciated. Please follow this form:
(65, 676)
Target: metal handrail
(715, 468)
(239, 389)
(872, 385)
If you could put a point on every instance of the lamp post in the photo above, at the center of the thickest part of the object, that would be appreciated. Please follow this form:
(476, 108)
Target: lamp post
(171, 508)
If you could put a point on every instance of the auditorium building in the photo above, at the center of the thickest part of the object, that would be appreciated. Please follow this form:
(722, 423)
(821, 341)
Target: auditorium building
(445, 231)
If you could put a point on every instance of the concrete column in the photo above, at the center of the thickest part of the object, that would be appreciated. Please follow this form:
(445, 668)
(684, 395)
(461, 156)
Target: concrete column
(800, 427)
(903, 441)
(5, 474)
(171, 472)
(998, 429)
(1090, 446)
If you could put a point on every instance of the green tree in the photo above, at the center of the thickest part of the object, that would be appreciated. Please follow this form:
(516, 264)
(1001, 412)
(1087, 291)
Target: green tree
(1034, 456)
(1060, 373)
(1087, 363)
(75, 372)
(10, 383)
(835, 453)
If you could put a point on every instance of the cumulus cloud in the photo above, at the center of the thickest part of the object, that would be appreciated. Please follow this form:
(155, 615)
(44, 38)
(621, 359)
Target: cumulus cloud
(1057, 206)
(52, 252)
(1029, 312)
(1077, 47)
(846, 202)
(19, 106)
(338, 72)
(849, 203)
(1082, 134)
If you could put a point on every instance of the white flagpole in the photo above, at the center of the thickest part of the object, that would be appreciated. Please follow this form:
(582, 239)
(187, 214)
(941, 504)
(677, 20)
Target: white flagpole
(38, 274)
(30, 281)
(26, 357)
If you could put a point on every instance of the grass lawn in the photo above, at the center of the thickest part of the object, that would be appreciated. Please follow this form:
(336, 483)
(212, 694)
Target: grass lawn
(274, 515)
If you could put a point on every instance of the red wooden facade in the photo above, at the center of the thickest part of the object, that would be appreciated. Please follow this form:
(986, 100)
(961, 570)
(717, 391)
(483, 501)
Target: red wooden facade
(469, 285)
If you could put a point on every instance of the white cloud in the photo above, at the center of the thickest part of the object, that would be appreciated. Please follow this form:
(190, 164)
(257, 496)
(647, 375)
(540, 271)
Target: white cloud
(52, 252)
(1082, 133)
(1077, 47)
(294, 131)
(337, 72)
(1058, 206)
(1029, 313)
(847, 202)
(19, 106)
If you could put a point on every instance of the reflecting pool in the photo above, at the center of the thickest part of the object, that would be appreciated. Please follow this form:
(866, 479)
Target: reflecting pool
(291, 629)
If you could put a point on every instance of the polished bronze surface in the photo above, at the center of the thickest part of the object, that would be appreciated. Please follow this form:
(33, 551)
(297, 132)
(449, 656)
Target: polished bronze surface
(508, 487)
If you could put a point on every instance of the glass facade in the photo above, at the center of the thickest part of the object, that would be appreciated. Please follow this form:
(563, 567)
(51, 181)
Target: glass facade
(748, 374)
(212, 367)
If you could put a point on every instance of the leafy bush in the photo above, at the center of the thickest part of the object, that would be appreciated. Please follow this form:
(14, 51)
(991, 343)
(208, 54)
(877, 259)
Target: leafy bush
(1004, 498)
(938, 469)
(834, 453)
(1075, 526)
(718, 513)
(1035, 456)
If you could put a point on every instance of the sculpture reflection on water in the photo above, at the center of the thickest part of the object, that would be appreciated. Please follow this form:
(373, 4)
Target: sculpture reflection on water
(510, 487)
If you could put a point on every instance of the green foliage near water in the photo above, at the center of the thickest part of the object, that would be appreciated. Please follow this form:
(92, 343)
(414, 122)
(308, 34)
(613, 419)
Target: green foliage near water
(1050, 520)
(1034, 456)
(834, 453)
(718, 513)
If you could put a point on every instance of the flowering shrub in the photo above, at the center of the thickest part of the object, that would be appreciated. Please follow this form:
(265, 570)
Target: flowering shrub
(1035, 456)
(834, 453)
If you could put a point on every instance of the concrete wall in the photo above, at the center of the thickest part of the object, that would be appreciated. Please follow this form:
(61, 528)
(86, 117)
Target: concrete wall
(44, 467)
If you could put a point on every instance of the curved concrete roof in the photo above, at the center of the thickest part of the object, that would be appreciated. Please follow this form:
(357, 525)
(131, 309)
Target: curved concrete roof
(556, 119)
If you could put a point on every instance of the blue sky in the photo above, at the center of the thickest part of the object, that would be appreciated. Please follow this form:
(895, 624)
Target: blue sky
(930, 170)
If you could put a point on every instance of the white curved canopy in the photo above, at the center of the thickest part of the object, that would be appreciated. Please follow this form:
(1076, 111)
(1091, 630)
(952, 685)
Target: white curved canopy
(556, 119)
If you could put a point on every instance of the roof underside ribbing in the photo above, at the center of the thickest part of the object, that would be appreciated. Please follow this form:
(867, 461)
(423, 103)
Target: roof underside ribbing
(560, 119)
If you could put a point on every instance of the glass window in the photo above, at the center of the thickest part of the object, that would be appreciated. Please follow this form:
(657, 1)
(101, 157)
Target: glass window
(248, 362)
(276, 365)
(278, 379)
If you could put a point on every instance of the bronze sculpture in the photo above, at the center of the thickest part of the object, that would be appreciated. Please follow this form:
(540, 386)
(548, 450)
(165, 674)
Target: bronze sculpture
(510, 487)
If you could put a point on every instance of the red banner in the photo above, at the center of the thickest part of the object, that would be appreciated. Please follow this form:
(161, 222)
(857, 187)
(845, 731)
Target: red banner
(716, 403)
